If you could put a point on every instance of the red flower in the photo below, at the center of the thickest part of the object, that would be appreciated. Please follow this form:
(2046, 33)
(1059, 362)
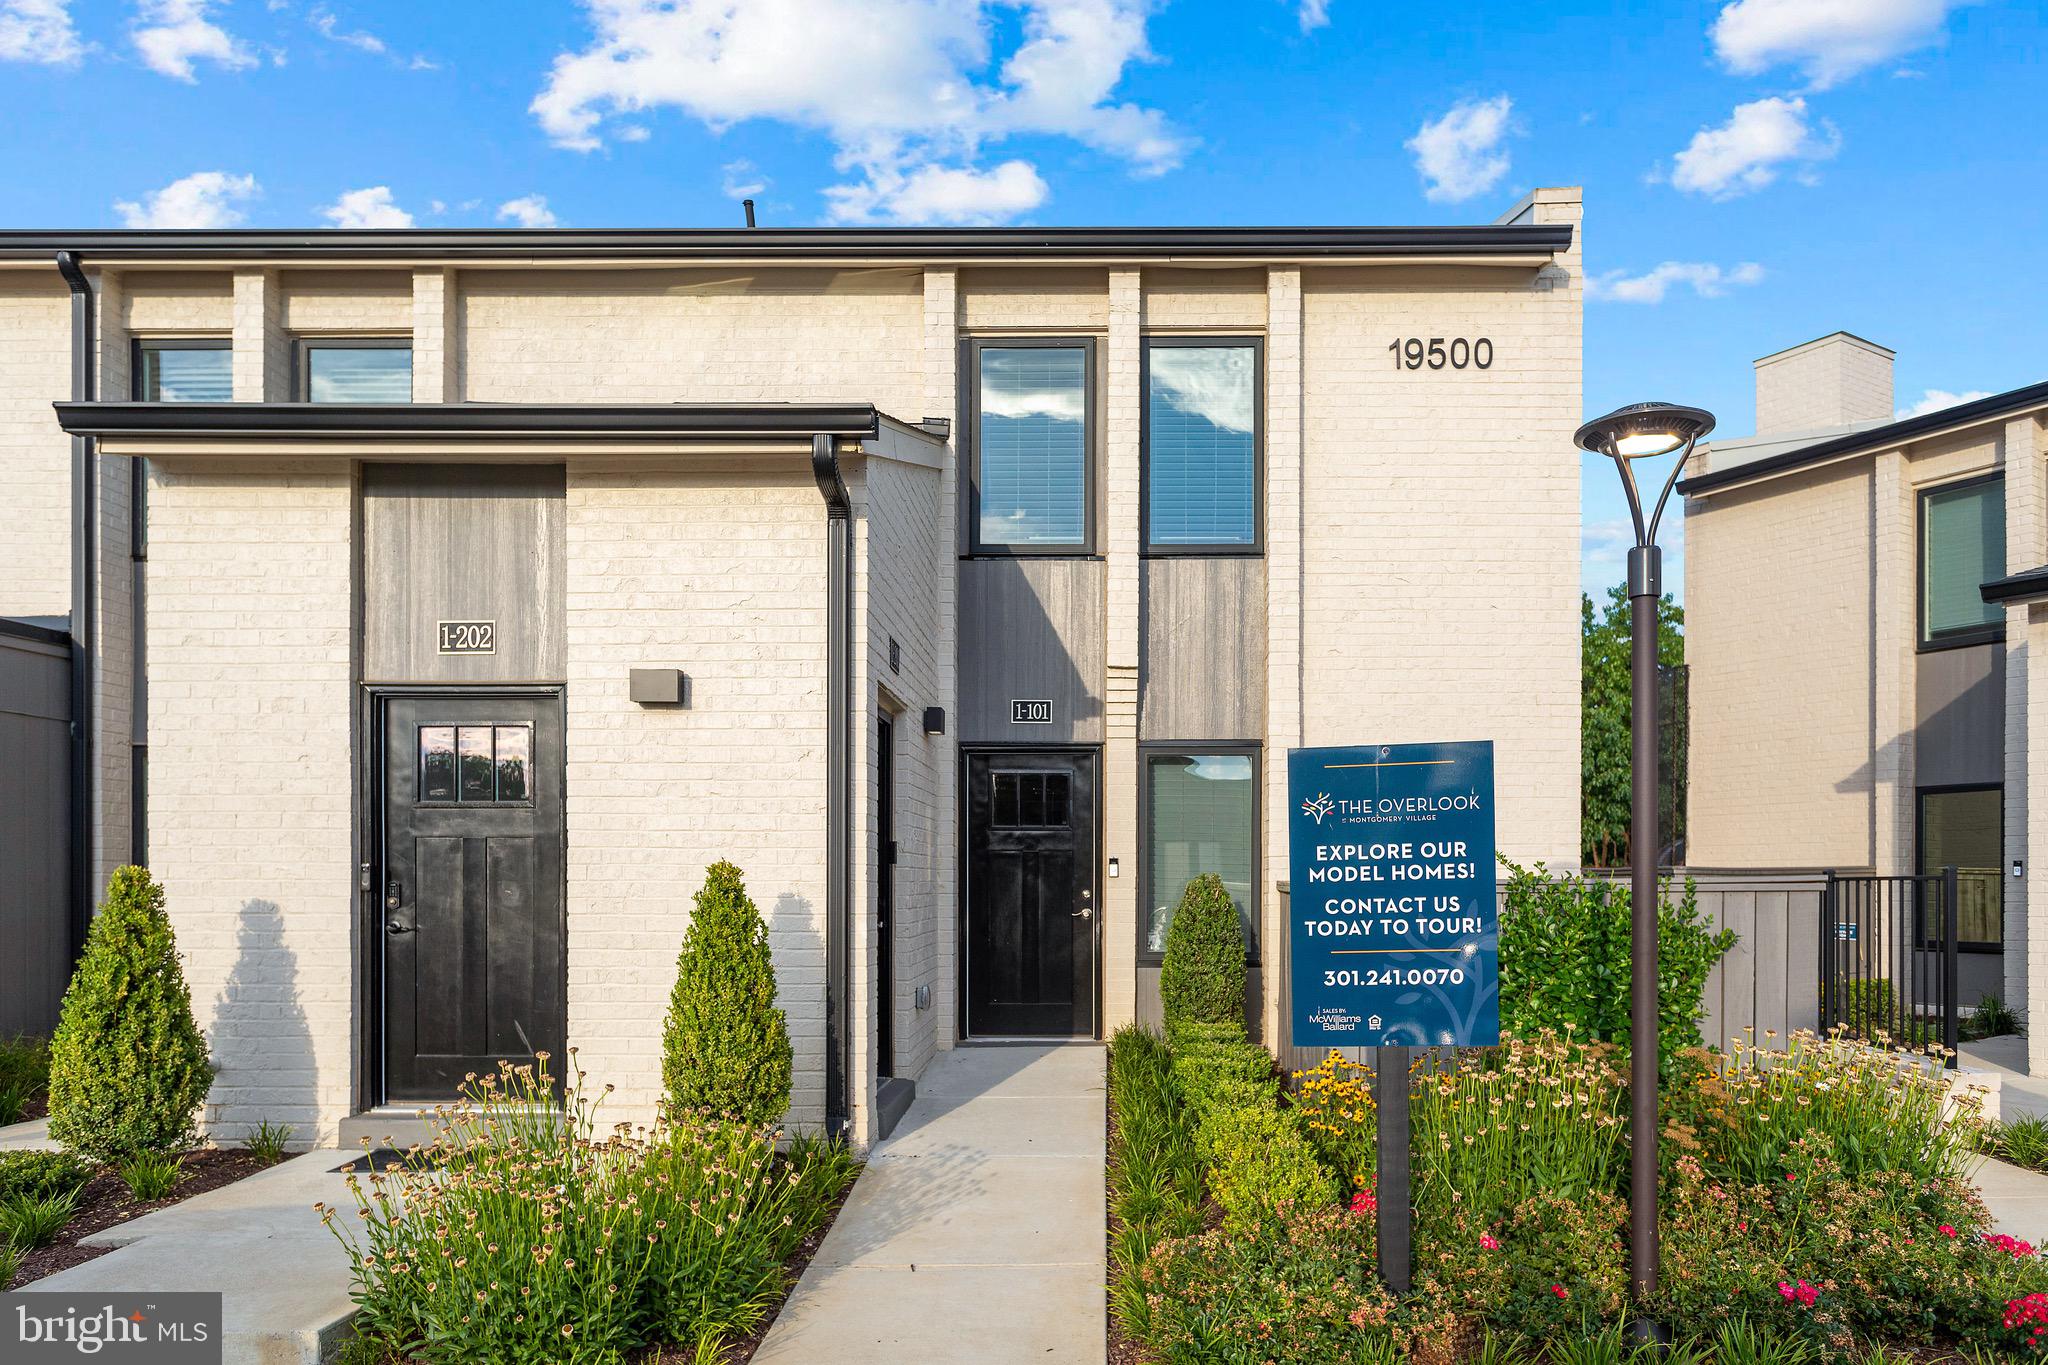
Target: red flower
(1946, 1230)
(1488, 1242)
(1560, 1291)
(2011, 1246)
(1364, 1202)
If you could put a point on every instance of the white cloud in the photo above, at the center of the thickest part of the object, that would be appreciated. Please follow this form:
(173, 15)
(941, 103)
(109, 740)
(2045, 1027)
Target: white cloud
(205, 199)
(933, 89)
(1214, 383)
(1460, 154)
(1829, 40)
(38, 31)
(1314, 14)
(741, 179)
(366, 208)
(939, 194)
(327, 26)
(1934, 400)
(1707, 280)
(173, 34)
(529, 211)
(1605, 544)
(1759, 140)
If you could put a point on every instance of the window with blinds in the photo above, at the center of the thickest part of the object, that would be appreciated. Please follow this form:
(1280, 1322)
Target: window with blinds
(1201, 815)
(1962, 547)
(180, 371)
(355, 371)
(1201, 445)
(1031, 447)
(1965, 829)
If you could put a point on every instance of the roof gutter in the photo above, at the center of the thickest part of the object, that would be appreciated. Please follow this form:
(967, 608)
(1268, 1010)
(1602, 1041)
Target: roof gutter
(551, 422)
(838, 772)
(84, 594)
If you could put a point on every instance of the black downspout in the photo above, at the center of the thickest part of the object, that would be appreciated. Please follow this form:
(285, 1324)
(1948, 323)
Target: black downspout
(838, 769)
(84, 560)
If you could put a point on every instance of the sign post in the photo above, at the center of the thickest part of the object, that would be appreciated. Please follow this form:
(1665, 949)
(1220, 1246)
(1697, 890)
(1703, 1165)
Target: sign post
(1395, 937)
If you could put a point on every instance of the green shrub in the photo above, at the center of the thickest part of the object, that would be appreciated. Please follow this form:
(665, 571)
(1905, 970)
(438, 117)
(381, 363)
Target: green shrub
(1204, 1073)
(269, 1142)
(1261, 1162)
(725, 1047)
(1993, 1018)
(1202, 979)
(36, 1175)
(24, 1075)
(128, 1067)
(1154, 1169)
(30, 1221)
(151, 1175)
(10, 1261)
(1186, 1034)
(1552, 1268)
(2022, 1141)
(1564, 960)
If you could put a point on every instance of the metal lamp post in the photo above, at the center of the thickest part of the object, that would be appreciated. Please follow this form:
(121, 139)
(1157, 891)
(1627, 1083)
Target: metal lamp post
(1638, 432)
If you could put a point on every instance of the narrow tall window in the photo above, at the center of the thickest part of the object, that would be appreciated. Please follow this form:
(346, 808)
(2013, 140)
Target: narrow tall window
(1033, 409)
(355, 370)
(1201, 815)
(1962, 547)
(1965, 829)
(1202, 445)
(197, 370)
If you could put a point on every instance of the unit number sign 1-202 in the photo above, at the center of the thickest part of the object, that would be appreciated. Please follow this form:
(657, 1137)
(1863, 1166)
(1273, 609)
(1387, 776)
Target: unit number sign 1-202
(1436, 353)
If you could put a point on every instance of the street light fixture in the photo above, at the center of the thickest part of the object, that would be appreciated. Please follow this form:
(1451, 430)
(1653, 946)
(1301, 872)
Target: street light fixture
(1638, 432)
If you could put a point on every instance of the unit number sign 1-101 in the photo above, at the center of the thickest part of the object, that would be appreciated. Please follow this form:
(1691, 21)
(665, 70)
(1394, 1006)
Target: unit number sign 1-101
(1436, 353)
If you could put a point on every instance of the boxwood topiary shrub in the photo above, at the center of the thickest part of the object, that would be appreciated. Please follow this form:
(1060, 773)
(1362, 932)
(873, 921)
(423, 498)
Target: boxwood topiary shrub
(128, 1067)
(1202, 979)
(725, 1047)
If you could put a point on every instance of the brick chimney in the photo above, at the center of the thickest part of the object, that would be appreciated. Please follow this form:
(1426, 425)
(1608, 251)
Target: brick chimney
(1838, 381)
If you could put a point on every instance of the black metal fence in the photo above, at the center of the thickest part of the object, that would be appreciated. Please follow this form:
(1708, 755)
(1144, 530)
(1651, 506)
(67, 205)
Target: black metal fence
(1888, 958)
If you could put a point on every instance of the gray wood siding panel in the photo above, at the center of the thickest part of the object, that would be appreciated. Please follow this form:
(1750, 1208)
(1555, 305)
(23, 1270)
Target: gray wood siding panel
(35, 845)
(1203, 666)
(1031, 629)
(463, 543)
(1959, 737)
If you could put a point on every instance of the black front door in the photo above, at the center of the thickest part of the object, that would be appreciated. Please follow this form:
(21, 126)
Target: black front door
(471, 888)
(1031, 915)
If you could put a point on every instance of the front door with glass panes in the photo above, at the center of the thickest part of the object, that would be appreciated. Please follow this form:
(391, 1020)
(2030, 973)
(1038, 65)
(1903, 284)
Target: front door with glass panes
(1031, 912)
(469, 905)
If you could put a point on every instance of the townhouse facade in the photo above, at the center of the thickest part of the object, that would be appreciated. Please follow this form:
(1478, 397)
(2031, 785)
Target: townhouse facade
(446, 602)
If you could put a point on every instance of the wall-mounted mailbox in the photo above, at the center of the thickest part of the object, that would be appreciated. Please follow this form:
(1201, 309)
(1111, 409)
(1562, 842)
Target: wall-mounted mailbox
(658, 687)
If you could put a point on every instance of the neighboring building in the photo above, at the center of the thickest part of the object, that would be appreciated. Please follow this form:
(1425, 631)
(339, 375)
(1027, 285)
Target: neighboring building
(1860, 688)
(966, 588)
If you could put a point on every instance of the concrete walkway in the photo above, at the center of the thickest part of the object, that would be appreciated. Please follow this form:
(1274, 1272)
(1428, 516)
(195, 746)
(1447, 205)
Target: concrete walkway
(976, 1232)
(32, 1136)
(284, 1277)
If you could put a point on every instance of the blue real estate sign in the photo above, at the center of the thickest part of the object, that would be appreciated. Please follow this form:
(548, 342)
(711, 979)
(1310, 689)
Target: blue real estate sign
(1395, 935)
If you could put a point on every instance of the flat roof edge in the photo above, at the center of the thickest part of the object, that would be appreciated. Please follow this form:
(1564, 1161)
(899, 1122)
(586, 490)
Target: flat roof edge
(339, 421)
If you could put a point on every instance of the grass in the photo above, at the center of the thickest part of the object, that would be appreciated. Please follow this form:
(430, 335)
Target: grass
(1155, 1171)
(2023, 1142)
(28, 1221)
(151, 1176)
(267, 1144)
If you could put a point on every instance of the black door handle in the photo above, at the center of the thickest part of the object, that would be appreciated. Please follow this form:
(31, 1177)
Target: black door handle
(395, 927)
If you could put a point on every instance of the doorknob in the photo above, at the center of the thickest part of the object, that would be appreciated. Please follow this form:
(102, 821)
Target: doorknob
(393, 926)
(1085, 912)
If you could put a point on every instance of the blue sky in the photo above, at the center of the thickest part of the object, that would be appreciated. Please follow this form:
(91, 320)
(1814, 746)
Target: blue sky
(1793, 166)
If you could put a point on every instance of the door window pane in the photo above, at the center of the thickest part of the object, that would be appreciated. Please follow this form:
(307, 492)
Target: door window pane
(1201, 445)
(515, 755)
(1033, 446)
(1030, 800)
(473, 753)
(1966, 830)
(1962, 547)
(1202, 816)
(358, 374)
(174, 372)
(437, 763)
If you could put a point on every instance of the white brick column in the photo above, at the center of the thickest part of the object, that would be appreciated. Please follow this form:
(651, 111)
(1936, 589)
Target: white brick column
(1121, 411)
(941, 399)
(262, 348)
(1892, 681)
(1284, 391)
(2026, 546)
(435, 365)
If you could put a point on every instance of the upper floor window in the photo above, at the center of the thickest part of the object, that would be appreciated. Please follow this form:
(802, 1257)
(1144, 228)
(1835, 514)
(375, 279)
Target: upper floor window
(1962, 547)
(1202, 444)
(1034, 422)
(355, 370)
(184, 370)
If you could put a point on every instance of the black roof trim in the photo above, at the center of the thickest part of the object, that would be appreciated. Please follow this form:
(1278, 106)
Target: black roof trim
(2020, 587)
(908, 244)
(513, 421)
(1872, 438)
(29, 630)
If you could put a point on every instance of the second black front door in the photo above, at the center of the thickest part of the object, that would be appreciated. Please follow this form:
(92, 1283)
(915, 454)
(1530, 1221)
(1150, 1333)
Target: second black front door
(470, 888)
(1031, 912)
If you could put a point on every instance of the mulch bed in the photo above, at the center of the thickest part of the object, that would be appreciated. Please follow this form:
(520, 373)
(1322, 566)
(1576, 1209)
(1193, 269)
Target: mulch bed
(104, 1203)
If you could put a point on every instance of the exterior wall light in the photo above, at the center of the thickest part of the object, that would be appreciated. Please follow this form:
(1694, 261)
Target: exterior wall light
(658, 687)
(935, 720)
(1644, 431)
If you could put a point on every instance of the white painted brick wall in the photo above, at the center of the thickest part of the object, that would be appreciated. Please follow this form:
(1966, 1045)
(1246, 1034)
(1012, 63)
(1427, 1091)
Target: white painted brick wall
(1832, 382)
(250, 757)
(342, 301)
(35, 370)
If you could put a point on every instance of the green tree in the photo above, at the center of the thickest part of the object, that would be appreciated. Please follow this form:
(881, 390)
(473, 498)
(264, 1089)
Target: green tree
(1202, 979)
(725, 1047)
(1605, 700)
(128, 1067)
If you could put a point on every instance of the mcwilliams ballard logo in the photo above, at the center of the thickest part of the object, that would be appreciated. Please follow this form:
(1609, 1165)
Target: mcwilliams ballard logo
(165, 1329)
(1320, 806)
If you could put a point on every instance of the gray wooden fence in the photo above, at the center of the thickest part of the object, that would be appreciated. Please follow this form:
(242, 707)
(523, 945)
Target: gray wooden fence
(1768, 982)
(35, 826)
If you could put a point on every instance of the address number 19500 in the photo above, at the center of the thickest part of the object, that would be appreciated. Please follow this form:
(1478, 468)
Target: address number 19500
(1435, 353)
